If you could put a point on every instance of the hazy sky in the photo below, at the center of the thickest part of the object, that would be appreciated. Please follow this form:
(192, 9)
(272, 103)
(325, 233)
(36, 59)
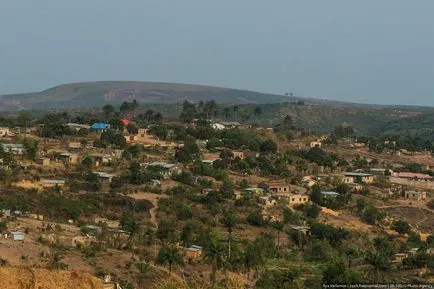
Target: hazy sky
(364, 51)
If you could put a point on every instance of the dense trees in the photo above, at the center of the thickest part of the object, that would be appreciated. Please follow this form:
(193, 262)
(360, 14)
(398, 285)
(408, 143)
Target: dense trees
(111, 138)
(318, 156)
(54, 125)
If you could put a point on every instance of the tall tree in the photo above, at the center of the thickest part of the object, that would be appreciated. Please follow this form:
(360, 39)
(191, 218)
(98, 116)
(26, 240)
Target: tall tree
(108, 111)
(23, 120)
(257, 111)
(170, 255)
(130, 225)
(210, 109)
(227, 112)
(214, 254)
(278, 225)
(188, 112)
(229, 220)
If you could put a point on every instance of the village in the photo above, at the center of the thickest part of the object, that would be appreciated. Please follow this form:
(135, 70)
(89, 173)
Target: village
(137, 191)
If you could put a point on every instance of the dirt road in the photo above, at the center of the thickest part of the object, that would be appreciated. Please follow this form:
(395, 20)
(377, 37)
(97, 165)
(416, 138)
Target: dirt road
(153, 198)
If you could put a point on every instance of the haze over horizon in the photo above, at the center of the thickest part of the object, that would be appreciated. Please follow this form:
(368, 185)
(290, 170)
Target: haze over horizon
(366, 51)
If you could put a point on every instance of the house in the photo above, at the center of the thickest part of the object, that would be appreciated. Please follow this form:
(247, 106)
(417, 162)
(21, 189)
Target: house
(230, 124)
(208, 162)
(45, 162)
(267, 201)
(110, 223)
(238, 154)
(358, 178)
(16, 236)
(35, 216)
(104, 177)
(77, 127)
(155, 182)
(315, 144)
(413, 176)
(399, 257)
(254, 191)
(74, 146)
(46, 183)
(297, 199)
(4, 131)
(14, 148)
(279, 188)
(6, 214)
(328, 194)
(143, 133)
(125, 122)
(68, 158)
(201, 144)
(415, 195)
(301, 229)
(100, 127)
(167, 168)
(205, 191)
(293, 199)
(101, 159)
(89, 144)
(193, 252)
(237, 195)
(378, 171)
(308, 181)
(218, 126)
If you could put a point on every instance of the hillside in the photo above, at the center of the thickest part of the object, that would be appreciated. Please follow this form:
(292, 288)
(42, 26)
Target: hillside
(31, 278)
(89, 94)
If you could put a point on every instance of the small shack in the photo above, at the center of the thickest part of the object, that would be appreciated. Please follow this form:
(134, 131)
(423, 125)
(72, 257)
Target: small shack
(16, 236)
(193, 252)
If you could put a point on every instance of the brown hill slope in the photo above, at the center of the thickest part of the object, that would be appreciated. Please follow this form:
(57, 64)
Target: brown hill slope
(30, 278)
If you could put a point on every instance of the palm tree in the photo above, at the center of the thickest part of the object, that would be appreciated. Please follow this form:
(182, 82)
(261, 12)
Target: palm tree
(108, 110)
(236, 110)
(169, 254)
(148, 115)
(133, 228)
(257, 111)
(230, 221)
(227, 112)
(214, 254)
(157, 117)
(278, 225)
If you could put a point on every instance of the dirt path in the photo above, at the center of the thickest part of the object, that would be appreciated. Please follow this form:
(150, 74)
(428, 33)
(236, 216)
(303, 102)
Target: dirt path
(153, 198)
(408, 206)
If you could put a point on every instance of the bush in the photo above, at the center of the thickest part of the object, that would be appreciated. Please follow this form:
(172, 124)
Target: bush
(255, 219)
(401, 227)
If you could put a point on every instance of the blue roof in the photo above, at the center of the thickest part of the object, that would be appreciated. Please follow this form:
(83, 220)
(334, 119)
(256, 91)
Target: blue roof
(100, 125)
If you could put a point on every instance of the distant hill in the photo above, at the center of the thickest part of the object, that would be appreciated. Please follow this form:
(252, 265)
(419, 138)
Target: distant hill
(96, 94)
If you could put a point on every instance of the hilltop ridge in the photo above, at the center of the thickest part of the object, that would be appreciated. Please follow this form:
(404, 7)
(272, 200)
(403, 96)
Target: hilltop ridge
(88, 94)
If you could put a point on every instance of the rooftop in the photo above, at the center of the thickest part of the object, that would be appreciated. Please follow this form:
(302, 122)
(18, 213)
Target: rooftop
(358, 175)
(162, 164)
(328, 193)
(412, 175)
(12, 145)
(47, 181)
(104, 175)
(100, 125)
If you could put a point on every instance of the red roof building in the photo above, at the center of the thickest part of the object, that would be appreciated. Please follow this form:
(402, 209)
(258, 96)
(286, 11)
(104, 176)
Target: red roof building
(416, 176)
(125, 122)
